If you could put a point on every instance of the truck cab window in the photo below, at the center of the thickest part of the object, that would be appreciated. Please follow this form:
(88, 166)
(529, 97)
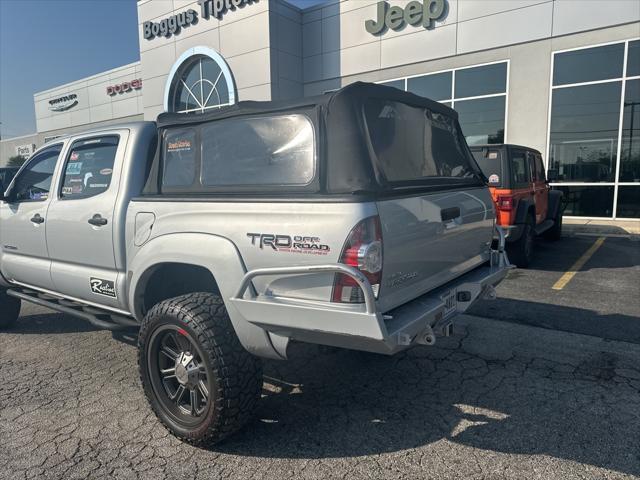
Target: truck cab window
(34, 182)
(89, 167)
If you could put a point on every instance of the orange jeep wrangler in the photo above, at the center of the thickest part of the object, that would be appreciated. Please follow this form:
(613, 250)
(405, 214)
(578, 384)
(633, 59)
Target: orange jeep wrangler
(524, 201)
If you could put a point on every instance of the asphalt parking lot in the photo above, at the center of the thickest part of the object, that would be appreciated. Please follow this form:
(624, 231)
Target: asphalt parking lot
(503, 398)
(602, 299)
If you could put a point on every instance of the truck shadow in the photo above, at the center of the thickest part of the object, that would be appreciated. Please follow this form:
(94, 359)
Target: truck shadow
(612, 326)
(349, 404)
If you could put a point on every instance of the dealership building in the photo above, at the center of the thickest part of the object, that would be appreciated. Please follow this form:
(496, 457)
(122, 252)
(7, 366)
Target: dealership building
(561, 76)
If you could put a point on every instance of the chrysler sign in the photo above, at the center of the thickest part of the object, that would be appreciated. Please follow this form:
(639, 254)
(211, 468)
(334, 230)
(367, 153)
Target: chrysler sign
(414, 13)
(173, 24)
(63, 103)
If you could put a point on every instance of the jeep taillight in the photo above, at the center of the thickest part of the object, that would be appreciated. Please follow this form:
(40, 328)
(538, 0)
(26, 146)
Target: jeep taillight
(362, 250)
(505, 203)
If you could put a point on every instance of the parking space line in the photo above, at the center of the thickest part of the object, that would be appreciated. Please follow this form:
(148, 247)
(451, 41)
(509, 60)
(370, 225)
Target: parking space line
(575, 268)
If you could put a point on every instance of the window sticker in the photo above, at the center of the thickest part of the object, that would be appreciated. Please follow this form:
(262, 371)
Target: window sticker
(179, 146)
(106, 171)
(74, 156)
(98, 185)
(74, 168)
(39, 195)
(67, 190)
(494, 178)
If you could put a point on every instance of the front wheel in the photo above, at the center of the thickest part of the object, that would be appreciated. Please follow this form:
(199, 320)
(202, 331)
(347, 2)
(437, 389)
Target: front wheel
(9, 310)
(199, 380)
(555, 232)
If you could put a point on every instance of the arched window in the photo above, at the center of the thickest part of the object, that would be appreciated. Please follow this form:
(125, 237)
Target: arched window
(199, 81)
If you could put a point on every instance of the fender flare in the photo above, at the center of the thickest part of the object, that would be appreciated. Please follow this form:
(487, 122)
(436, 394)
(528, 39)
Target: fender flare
(523, 210)
(555, 203)
(218, 255)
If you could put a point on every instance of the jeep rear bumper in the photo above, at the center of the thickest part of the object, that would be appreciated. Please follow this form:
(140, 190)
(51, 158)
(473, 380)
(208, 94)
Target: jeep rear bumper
(363, 326)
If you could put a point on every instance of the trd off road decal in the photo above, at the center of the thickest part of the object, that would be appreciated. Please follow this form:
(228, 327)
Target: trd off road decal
(287, 243)
(103, 287)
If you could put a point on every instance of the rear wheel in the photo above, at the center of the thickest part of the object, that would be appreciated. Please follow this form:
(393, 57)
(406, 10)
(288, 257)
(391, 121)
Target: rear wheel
(199, 380)
(9, 310)
(555, 232)
(521, 251)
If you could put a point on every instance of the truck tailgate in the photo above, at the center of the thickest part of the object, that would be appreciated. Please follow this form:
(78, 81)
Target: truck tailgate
(431, 239)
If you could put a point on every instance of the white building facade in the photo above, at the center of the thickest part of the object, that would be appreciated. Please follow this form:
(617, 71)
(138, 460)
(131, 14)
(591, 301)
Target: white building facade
(561, 76)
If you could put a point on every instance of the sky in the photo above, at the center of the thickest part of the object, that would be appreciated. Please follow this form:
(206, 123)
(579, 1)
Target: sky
(46, 43)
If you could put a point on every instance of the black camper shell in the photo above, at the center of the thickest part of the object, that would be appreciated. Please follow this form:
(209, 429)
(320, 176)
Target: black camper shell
(347, 147)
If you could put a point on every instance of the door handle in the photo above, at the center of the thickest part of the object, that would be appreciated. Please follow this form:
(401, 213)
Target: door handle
(449, 213)
(98, 221)
(37, 219)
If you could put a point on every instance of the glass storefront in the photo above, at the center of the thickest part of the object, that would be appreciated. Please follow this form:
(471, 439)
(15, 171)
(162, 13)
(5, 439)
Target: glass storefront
(477, 93)
(594, 134)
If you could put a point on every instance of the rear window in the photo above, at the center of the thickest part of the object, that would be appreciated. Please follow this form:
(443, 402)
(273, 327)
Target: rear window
(414, 144)
(490, 162)
(268, 151)
(258, 151)
(179, 158)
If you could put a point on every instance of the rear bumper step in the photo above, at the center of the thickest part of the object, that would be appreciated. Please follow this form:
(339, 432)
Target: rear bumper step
(363, 326)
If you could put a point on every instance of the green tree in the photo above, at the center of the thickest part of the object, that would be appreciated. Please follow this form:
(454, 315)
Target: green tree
(16, 161)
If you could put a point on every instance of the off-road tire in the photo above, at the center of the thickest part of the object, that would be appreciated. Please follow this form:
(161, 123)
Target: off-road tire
(555, 232)
(9, 310)
(236, 375)
(521, 251)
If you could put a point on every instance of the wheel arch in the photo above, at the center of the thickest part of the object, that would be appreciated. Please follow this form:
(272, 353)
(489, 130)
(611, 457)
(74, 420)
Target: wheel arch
(207, 263)
(525, 207)
(555, 203)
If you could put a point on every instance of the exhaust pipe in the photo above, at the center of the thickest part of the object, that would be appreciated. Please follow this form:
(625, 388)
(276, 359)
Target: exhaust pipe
(427, 337)
(489, 293)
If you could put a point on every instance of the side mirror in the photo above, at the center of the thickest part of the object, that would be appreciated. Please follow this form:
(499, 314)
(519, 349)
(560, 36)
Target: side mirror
(552, 175)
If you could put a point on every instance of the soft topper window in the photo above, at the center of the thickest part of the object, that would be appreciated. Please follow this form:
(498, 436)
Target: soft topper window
(199, 81)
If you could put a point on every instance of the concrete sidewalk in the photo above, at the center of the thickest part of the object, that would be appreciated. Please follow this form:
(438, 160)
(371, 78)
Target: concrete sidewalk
(601, 227)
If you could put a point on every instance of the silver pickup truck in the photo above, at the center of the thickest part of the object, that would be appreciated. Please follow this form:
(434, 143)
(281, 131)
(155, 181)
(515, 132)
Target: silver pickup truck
(356, 219)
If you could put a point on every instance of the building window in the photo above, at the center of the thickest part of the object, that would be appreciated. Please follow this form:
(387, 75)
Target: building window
(594, 129)
(477, 93)
(200, 80)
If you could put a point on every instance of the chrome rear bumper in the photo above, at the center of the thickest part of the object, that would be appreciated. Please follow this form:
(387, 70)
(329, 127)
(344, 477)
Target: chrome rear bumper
(363, 326)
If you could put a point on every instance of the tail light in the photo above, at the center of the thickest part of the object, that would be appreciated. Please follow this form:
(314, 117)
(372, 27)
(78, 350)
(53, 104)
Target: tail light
(505, 203)
(362, 250)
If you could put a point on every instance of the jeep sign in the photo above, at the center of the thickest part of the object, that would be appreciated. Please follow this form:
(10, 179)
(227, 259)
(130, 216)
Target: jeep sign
(124, 87)
(414, 13)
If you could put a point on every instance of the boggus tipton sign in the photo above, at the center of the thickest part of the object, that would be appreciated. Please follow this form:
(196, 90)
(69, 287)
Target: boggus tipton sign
(173, 24)
(415, 13)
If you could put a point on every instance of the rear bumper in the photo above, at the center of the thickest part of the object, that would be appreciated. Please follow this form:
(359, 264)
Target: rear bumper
(363, 326)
